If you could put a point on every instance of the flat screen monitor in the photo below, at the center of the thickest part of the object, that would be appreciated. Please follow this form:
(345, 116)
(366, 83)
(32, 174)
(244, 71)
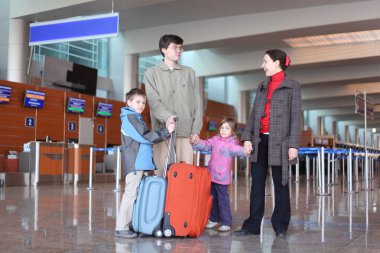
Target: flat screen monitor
(5, 94)
(84, 79)
(104, 110)
(212, 125)
(76, 105)
(34, 99)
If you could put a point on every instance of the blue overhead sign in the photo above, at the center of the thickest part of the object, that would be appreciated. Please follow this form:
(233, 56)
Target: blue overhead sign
(74, 29)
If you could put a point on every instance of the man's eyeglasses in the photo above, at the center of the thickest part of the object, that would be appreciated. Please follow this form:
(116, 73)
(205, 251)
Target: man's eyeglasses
(177, 48)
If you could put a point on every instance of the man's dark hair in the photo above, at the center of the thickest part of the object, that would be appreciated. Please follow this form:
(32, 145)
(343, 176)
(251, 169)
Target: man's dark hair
(166, 39)
(134, 92)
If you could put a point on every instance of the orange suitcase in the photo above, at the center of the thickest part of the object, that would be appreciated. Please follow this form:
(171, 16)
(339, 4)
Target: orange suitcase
(188, 200)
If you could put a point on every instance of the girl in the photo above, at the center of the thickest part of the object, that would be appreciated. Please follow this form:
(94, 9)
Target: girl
(223, 147)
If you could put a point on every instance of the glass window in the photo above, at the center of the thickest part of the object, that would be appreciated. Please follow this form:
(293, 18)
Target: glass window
(90, 53)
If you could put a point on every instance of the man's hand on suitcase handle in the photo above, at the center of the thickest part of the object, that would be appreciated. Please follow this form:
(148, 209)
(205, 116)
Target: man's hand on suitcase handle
(170, 123)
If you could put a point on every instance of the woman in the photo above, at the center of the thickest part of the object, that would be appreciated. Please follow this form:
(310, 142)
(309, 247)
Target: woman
(272, 134)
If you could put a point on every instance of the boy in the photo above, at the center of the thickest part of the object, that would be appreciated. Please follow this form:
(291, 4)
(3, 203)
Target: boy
(137, 155)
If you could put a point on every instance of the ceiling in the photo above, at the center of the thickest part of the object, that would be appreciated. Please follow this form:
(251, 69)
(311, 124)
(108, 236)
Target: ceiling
(329, 75)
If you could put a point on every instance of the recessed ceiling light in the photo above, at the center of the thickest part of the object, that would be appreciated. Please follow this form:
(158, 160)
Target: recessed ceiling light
(334, 39)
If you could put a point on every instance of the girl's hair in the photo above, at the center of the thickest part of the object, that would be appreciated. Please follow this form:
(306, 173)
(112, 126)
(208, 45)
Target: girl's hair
(231, 122)
(277, 54)
(134, 92)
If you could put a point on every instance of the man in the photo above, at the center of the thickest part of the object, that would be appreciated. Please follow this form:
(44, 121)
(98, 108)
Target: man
(172, 90)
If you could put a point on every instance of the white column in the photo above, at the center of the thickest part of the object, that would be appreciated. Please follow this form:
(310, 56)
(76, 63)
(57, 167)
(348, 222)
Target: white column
(130, 72)
(116, 66)
(346, 133)
(335, 129)
(243, 106)
(17, 51)
(373, 139)
(356, 136)
(321, 125)
(201, 85)
(4, 38)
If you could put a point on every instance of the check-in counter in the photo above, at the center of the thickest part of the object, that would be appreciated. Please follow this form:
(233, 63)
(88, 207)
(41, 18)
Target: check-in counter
(106, 171)
(78, 162)
(48, 161)
(51, 157)
(51, 162)
(43, 162)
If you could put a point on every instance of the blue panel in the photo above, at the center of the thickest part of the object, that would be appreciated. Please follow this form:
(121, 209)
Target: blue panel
(65, 30)
(29, 122)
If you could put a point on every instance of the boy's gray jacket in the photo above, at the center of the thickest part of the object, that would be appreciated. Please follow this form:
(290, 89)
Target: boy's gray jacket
(137, 140)
(174, 92)
(285, 123)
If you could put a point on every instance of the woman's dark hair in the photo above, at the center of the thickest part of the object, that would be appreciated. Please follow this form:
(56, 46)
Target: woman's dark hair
(277, 54)
(231, 122)
(166, 39)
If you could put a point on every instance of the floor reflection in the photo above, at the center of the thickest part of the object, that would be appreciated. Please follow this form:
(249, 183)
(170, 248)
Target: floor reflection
(69, 218)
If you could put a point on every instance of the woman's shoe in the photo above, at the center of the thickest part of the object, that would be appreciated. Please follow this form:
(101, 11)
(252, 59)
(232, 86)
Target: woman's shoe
(242, 232)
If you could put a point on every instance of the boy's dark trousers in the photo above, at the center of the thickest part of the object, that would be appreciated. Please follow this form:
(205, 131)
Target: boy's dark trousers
(281, 214)
(220, 210)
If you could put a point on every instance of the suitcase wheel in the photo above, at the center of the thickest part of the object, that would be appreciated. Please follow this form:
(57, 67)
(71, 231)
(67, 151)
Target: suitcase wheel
(168, 232)
(158, 233)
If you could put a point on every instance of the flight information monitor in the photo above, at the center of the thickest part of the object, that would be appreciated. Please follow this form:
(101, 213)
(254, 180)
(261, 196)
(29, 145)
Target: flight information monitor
(76, 105)
(104, 110)
(5, 94)
(34, 99)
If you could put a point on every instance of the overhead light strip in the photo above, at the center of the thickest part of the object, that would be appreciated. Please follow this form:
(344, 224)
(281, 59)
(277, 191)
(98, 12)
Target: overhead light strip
(334, 39)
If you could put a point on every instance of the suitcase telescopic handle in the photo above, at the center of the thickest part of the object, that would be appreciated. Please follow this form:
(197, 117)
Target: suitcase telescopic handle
(171, 150)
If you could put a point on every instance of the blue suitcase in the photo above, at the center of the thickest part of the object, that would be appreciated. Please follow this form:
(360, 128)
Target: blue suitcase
(148, 210)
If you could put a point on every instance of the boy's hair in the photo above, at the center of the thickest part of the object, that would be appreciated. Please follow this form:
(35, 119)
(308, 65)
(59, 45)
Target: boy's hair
(166, 39)
(134, 92)
(231, 122)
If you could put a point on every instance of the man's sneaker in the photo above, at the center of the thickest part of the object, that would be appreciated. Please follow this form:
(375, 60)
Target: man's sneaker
(125, 234)
(224, 228)
(211, 224)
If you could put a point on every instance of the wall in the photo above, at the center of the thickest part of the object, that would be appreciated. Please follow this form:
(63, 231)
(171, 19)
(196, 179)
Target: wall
(215, 111)
(52, 119)
(4, 38)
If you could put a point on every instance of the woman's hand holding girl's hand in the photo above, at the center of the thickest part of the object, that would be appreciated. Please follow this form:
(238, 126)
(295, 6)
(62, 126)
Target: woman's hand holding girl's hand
(247, 153)
(293, 152)
(248, 147)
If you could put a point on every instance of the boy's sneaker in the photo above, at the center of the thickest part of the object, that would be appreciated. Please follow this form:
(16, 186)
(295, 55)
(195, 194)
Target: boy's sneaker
(224, 228)
(211, 224)
(125, 234)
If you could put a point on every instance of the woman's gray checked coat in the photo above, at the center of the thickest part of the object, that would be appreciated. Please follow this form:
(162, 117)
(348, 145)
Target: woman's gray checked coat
(285, 123)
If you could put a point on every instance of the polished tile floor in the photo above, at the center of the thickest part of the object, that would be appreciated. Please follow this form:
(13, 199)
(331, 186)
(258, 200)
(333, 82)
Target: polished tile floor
(68, 218)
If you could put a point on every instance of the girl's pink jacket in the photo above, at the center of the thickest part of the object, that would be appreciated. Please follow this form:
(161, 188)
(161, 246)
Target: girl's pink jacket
(222, 152)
